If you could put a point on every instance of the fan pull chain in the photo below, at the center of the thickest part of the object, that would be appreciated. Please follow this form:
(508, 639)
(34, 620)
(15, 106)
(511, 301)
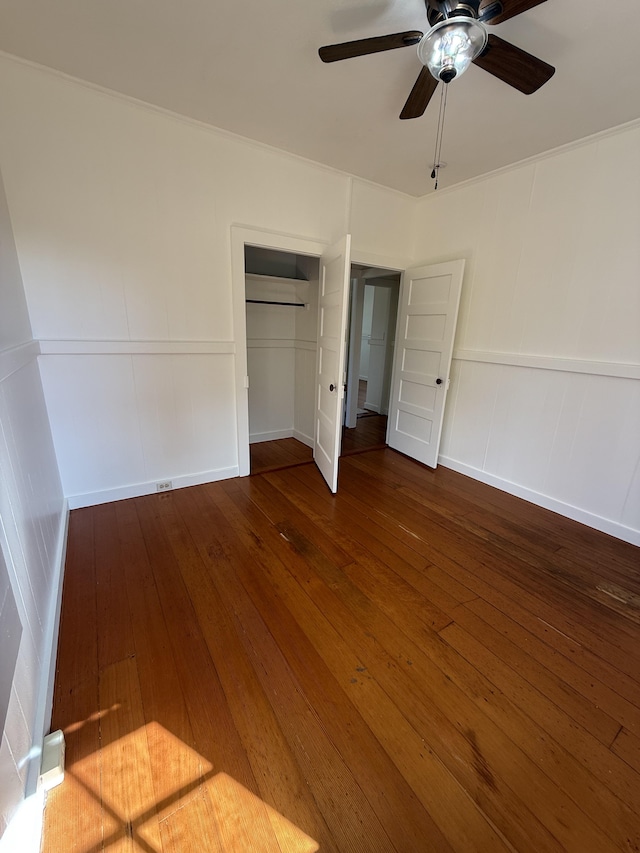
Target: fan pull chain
(435, 172)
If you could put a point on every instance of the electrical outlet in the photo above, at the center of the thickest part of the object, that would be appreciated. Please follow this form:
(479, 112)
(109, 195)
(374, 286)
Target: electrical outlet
(164, 486)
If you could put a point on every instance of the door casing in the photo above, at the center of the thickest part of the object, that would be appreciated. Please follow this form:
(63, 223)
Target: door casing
(242, 235)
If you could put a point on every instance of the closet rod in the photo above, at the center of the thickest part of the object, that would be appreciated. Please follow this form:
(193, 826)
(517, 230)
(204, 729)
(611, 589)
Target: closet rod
(273, 302)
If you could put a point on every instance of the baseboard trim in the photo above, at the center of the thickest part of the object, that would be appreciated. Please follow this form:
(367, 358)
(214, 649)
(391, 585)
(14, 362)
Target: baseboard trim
(272, 435)
(44, 707)
(137, 490)
(24, 832)
(605, 525)
(303, 438)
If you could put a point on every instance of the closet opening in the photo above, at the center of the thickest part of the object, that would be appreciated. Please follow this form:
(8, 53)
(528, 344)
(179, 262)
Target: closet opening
(281, 295)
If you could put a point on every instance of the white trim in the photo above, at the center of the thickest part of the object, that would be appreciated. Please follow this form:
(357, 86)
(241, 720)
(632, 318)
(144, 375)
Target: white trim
(44, 706)
(76, 347)
(606, 525)
(568, 365)
(137, 490)
(15, 358)
(303, 438)
(271, 343)
(274, 435)
(537, 158)
(310, 346)
(382, 262)
(263, 238)
(254, 143)
(242, 235)
(281, 343)
(155, 109)
(271, 435)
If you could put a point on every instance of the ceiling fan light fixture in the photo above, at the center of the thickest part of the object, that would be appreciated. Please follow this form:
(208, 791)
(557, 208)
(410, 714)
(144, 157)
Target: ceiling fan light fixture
(450, 47)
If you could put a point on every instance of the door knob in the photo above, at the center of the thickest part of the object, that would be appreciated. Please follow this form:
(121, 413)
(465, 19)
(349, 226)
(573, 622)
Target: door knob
(332, 387)
(438, 381)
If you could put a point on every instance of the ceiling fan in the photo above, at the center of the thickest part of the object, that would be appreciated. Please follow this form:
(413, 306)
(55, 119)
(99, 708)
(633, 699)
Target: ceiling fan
(457, 38)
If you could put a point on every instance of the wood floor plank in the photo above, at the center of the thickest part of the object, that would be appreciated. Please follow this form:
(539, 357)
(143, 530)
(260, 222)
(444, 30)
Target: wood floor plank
(281, 453)
(280, 782)
(627, 746)
(584, 712)
(324, 769)
(549, 716)
(382, 561)
(526, 516)
(195, 822)
(216, 738)
(115, 632)
(77, 659)
(441, 545)
(74, 819)
(395, 803)
(458, 819)
(417, 663)
(387, 661)
(294, 523)
(238, 814)
(176, 766)
(425, 672)
(616, 706)
(591, 663)
(127, 783)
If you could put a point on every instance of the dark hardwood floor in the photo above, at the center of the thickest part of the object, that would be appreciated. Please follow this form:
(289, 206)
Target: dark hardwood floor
(418, 663)
(369, 434)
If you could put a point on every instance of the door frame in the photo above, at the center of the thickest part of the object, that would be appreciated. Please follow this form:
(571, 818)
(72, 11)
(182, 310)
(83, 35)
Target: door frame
(247, 235)
(242, 236)
(455, 269)
(394, 266)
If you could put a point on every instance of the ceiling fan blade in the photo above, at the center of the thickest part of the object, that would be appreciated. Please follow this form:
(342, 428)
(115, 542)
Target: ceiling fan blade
(420, 95)
(497, 11)
(514, 66)
(362, 47)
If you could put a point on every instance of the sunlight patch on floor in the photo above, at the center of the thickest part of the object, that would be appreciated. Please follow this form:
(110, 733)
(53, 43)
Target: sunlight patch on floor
(124, 806)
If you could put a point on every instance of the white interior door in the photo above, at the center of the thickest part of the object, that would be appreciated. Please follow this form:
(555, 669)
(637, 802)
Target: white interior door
(335, 265)
(428, 312)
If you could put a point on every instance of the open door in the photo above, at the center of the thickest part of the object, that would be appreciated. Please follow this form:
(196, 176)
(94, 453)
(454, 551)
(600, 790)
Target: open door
(335, 265)
(428, 313)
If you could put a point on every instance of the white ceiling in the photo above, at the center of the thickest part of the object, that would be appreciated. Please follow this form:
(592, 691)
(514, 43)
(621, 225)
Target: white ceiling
(251, 67)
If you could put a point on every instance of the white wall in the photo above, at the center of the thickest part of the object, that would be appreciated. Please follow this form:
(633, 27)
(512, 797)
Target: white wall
(545, 394)
(367, 318)
(32, 524)
(122, 218)
(271, 357)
